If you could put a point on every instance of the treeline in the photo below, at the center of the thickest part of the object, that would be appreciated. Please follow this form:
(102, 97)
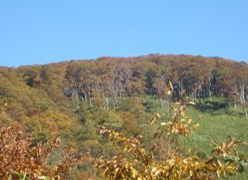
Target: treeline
(105, 80)
(108, 78)
(199, 77)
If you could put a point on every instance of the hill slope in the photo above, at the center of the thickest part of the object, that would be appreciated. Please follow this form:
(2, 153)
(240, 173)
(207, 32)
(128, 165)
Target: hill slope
(73, 99)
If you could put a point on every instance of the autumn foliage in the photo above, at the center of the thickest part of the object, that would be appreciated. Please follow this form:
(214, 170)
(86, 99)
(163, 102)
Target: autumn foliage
(136, 163)
(74, 99)
(164, 160)
(20, 155)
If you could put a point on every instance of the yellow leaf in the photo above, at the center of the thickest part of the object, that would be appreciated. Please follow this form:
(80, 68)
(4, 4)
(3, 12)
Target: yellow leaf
(171, 86)
(157, 115)
(117, 170)
(163, 124)
(190, 120)
(182, 120)
(154, 169)
(157, 173)
(196, 126)
(191, 103)
(153, 120)
(106, 171)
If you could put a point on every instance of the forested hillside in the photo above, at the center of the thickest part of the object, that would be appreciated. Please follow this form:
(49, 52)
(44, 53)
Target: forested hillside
(74, 99)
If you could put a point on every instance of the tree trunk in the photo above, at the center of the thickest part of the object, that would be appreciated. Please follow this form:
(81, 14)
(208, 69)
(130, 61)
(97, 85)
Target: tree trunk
(210, 95)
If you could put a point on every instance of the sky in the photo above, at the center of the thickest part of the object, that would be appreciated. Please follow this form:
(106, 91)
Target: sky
(46, 31)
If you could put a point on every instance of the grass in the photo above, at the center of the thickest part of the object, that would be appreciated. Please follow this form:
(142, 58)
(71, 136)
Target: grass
(217, 123)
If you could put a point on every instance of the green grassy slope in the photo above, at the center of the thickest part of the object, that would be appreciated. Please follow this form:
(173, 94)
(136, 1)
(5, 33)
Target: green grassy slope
(217, 122)
(215, 126)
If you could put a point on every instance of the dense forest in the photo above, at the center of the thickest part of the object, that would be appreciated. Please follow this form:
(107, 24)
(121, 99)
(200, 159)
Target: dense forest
(74, 99)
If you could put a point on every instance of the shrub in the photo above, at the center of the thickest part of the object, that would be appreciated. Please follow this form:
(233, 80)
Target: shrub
(21, 156)
(164, 160)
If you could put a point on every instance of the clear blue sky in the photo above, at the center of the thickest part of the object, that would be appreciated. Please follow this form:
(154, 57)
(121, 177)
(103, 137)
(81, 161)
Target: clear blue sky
(44, 31)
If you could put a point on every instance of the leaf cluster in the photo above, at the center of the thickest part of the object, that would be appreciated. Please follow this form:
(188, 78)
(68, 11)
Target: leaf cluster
(164, 160)
(20, 155)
